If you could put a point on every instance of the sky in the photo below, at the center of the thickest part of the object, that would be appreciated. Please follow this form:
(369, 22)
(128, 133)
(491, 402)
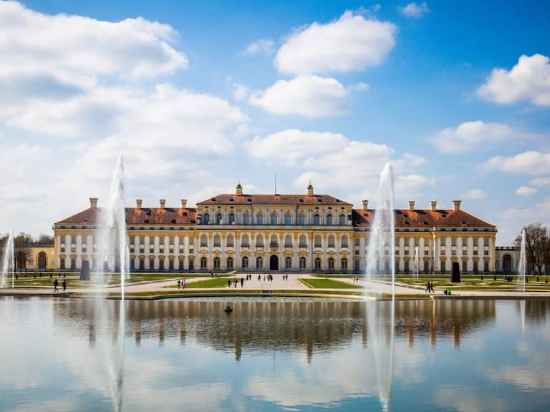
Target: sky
(198, 96)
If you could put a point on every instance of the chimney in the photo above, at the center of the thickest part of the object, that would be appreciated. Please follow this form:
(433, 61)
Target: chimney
(456, 205)
(162, 203)
(365, 204)
(412, 204)
(310, 189)
(93, 202)
(139, 203)
(183, 203)
(239, 189)
(433, 204)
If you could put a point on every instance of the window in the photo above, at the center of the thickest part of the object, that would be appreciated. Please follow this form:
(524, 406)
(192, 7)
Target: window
(245, 262)
(288, 263)
(203, 263)
(151, 263)
(205, 218)
(288, 219)
(302, 263)
(344, 241)
(486, 266)
(230, 241)
(219, 219)
(316, 219)
(344, 264)
(141, 264)
(331, 242)
(259, 262)
(273, 218)
(259, 241)
(303, 241)
(217, 241)
(244, 241)
(317, 242)
(259, 218)
(317, 263)
(330, 263)
(329, 219)
(342, 220)
(246, 218)
(230, 263)
(216, 263)
(62, 263)
(288, 241)
(231, 218)
(274, 241)
(191, 263)
(204, 241)
(453, 241)
(301, 219)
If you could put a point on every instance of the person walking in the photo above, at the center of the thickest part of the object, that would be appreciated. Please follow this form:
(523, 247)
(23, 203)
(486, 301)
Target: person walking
(242, 282)
(55, 286)
(64, 285)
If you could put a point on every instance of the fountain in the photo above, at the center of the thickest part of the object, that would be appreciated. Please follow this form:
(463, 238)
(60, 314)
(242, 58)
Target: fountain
(8, 262)
(112, 257)
(381, 265)
(522, 264)
(417, 262)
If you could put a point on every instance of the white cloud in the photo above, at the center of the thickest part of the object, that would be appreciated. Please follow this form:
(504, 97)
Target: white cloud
(540, 181)
(526, 191)
(415, 10)
(240, 92)
(306, 95)
(475, 194)
(528, 80)
(260, 46)
(338, 163)
(474, 134)
(360, 87)
(511, 220)
(348, 44)
(530, 163)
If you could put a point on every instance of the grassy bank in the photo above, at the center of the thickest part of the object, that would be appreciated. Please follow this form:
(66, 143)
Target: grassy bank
(327, 283)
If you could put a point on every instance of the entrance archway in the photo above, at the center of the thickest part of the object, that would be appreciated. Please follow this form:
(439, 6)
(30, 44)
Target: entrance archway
(42, 261)
(507, 264)
(273, 262)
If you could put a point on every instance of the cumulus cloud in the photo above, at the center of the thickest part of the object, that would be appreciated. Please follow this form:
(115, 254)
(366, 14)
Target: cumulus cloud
(528, 80)
(540, 181)
(305, 95)
(414, 10)
(530, 163)
(351, 43)
(342, 165)
(260, 46)
(472, 135)
(526, 191)
(475, 194)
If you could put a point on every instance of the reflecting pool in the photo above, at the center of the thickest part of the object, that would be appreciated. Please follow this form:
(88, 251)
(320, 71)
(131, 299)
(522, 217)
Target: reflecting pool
(276, 354)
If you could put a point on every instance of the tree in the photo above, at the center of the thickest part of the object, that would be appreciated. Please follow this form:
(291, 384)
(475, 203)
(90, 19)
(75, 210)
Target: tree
(537, 247)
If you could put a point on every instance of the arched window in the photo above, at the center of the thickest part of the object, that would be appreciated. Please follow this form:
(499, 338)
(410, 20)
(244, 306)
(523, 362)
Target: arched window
(317, 264)
(330, 263)
(161, 263)
(217, 241)
(301, 219)
(329, 219)
(288, 219)
(302, 263)
(246, 218)
(230, 241)
(259, 262)
(204, 241)
(245, 241)
(152, 263)
(259, 241)
(216, 263)
(205, 219)
(303, 241)
(288, 241)
(230, 263)
(62, 263)
(245, 262)
(141, 263)
(331, 242)
(316, 219)
(344, 264)
(219, 219)
(259, 218)
(231, 218)
(344, 242)
(342, 219)
(288, 263)
(203, 262)
(191, 263)
(317, 241)
(273, 218)
(274, 242)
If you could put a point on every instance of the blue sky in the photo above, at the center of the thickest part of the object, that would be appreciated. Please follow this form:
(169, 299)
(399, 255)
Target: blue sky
(199, 95)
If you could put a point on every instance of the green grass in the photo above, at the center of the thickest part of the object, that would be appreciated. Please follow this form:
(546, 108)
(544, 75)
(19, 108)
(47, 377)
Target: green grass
(475, 282)
(240, 292)
(208, 283)
(327, 283)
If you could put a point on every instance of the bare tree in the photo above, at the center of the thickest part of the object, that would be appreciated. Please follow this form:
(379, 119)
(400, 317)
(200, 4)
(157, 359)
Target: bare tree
(537, 245)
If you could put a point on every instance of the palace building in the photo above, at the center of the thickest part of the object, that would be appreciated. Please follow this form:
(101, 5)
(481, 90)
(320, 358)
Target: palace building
(280, 232)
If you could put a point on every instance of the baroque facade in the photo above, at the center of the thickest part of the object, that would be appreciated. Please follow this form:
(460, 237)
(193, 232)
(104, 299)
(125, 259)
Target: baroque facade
(280, 232)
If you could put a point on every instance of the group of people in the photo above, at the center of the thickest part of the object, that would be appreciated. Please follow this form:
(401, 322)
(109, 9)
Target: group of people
(56, 285)
(181, 283)
(235, 282)
(430, 287)
(356, 279)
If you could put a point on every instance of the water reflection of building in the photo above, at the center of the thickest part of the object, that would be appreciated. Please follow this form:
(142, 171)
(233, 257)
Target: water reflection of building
(285, 325)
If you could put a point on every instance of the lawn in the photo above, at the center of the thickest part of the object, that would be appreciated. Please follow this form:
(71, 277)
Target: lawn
(327, 283)
(208, 283)
(476, 282)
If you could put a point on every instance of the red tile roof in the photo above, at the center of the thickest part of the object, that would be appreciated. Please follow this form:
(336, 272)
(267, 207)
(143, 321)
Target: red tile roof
(423, 218)
(244, 199)
(135, 216)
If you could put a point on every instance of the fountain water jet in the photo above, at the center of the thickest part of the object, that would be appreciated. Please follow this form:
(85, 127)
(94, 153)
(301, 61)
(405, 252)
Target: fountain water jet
(522, 264)
(113, 253)
(8, 262)
(417, 262)
(381, 265)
